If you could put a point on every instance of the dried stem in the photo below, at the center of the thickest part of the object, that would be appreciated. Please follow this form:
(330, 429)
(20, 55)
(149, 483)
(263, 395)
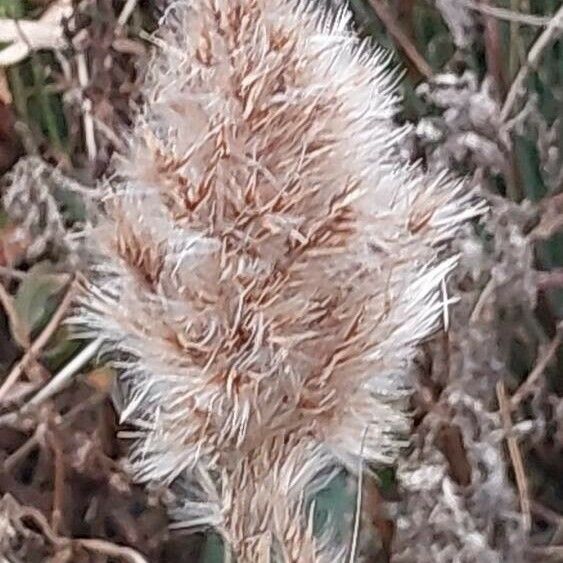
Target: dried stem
(39, 343)
(88, 121)
(61, 379)
(403, 40)
(126, 12)
(21, 453)
(111, 549)
(507, 15)
(493, 51)
(515, 455)
(358, 516)
(91, 544)
(551, 33)
(544, 360)
(59, 482)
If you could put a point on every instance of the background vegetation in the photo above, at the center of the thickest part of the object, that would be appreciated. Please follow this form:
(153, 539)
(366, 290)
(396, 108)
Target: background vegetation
(484, 88)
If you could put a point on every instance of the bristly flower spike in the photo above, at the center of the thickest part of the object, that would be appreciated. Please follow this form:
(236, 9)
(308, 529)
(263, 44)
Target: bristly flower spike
(267, 263)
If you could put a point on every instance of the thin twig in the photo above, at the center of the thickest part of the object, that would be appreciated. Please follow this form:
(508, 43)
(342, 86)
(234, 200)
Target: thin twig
(59, 482)
(552, 279)
(12, 273)
(484, 296)
(508, 15)
(111, 549)
(92, 544)
(88, 121)
(28, 512)
(550, 33)
(516, 57)
(356, 532)
(60, 424)
(126, 13)
(547, 513)
(515, 455)
(493, 52)
(496, 69)
(21, 275)
(543, 361)
(25, 449)
(61, 379)
(555, 551)
(403, 40)
(39, 343)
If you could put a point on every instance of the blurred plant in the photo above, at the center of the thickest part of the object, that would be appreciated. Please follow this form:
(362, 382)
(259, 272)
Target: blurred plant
(43, 205)
(487, 402)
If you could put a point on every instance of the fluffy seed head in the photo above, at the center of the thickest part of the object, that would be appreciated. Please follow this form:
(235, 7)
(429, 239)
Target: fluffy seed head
(268, 262)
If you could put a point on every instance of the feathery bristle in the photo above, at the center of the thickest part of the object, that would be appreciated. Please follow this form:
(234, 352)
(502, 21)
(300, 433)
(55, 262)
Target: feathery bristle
(267, 265)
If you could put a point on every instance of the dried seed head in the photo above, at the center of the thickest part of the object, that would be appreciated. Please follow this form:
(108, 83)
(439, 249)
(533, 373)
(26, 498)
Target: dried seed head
(268, 264)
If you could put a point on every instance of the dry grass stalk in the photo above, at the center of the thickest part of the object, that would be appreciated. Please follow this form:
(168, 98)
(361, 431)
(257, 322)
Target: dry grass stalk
(552, 31)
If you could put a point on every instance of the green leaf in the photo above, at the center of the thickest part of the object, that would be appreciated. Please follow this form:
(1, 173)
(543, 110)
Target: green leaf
(36, 298)
(335, 506)
(213, 550)
(62, 348)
